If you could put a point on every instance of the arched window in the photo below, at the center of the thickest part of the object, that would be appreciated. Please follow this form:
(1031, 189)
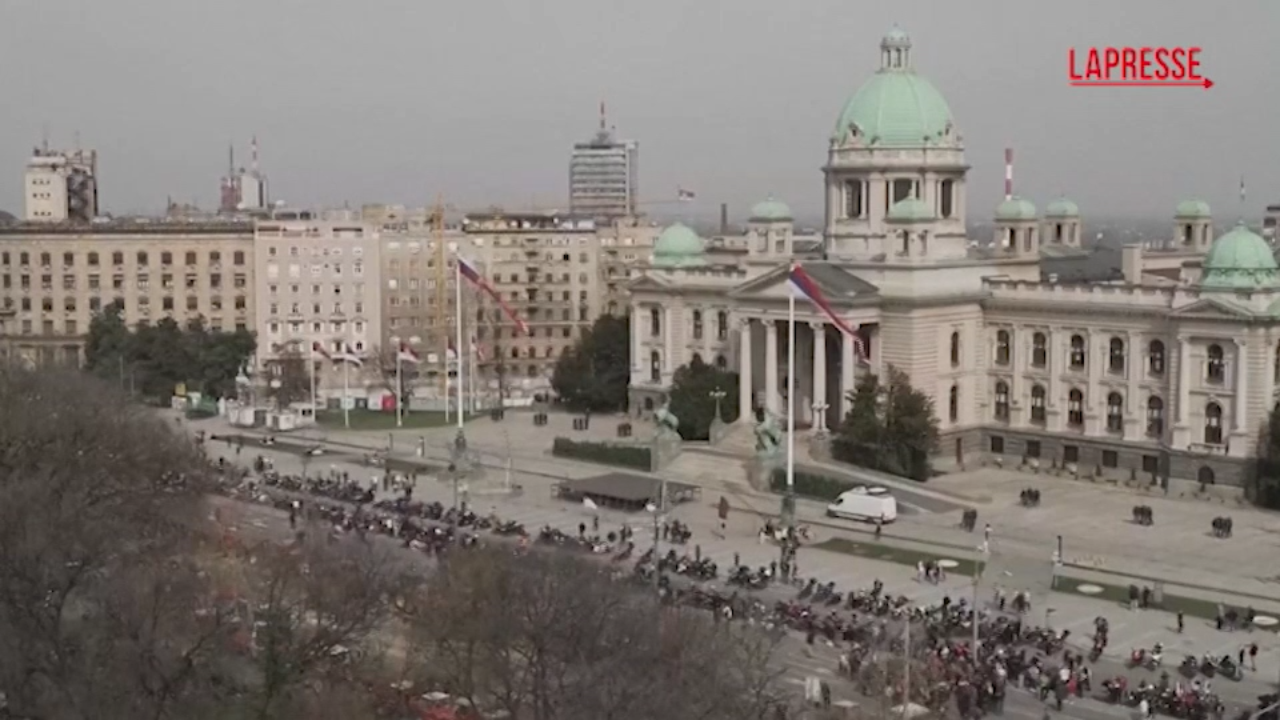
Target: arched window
(722, 325)
(1002, 400)
(722, 362)
(1075, 408)
(655, 322)
(1115, 412)
(1004, 349)
(1155, 417)
(953, 405)
(1213, 424)
(1037, 404)
(1155, 358)
(1078, 351)
(955, 349)
(1115, 356)
(655, 366)
(648, 404)
(696, 359)
(1039, 350)
(697, 324)
(1215, 367)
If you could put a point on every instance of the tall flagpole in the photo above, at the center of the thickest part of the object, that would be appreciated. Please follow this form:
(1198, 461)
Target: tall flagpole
(457, 340)
(791, 409)
(311, 367)
(346, 387)
(399, 388)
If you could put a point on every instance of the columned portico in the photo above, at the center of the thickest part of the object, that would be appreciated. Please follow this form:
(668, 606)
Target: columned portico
(746, 379)
(847, 380)
(819, 373)
(772, 400)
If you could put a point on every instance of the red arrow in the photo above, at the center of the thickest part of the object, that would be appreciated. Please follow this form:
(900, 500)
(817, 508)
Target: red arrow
(1205, 83)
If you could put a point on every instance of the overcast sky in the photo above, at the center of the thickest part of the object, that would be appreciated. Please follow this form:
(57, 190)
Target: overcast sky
(480, 100)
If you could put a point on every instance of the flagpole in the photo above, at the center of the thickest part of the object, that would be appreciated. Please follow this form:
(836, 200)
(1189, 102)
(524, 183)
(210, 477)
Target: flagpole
(346, 389)
(457, 340)
(311, 368)
(790, 499)
(399, 389)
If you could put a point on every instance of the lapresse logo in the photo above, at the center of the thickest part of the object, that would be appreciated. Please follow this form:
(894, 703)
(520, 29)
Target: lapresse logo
(1136, 67)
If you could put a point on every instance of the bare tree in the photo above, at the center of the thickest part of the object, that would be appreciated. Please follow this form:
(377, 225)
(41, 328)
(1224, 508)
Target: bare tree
(289, 377)
(554, 637)
(384, 360)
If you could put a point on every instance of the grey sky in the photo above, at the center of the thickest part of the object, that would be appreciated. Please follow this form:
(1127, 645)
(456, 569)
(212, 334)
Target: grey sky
(397, 100)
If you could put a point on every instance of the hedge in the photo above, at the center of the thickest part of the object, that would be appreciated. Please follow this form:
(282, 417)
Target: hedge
(818, 487)
(628, 456)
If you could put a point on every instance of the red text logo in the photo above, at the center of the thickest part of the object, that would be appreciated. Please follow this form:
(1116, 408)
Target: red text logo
(1136, 67)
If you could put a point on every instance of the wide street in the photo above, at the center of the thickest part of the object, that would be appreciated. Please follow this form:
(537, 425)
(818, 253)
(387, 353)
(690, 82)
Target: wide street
(537, 471)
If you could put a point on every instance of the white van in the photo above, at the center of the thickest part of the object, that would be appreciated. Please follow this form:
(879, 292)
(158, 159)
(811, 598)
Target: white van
(865, 503)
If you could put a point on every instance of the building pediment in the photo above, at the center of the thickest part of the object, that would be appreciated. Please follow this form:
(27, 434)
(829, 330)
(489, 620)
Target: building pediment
(649, 283)
(1212, 309)
(838, 285)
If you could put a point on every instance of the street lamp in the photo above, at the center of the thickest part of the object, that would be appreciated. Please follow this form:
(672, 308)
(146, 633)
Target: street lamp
(979, 567)
(717, 395)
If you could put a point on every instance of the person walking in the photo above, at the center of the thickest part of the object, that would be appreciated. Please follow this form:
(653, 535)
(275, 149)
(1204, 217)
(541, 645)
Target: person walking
(1181, 623)
(879, 527)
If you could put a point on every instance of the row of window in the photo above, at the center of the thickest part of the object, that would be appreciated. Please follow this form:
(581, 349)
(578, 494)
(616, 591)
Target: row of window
(142, 258)
(71, 328)
(142, 281)
(655, 364)
(1078, 355)
(722, 324)
(167, 303)
(316, 308)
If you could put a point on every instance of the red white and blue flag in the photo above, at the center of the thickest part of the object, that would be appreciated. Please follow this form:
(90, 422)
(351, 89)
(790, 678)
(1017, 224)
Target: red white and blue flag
(468, 271)
(804, 286)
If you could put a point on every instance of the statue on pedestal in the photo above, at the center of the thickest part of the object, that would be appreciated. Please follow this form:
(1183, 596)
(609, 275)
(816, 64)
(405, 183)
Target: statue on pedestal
(668, 424)
(768, 436)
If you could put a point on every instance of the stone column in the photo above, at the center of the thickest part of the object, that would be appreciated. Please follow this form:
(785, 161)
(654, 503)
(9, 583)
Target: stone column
(876, 353)
(668, 343)
(1054, 399)
(746, 386)
(771, 398)
(848, 360)
(639, 359)
(1184, 380)
(1095, 357)
(1241, 404)
(1018, 349)
(819, 373)
(1135, 409)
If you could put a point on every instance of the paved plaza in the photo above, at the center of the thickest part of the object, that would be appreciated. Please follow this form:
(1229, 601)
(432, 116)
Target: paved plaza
(1015, 527)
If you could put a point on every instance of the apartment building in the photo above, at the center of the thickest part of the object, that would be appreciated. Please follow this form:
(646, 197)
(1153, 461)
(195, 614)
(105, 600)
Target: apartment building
(418, 291)
(317, 282)
(624, 245)
(54, 277)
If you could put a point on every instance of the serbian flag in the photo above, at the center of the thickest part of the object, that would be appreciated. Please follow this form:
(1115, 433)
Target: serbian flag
(684, 195)
(407, 354)
(318, 349)
(805, 287)
(349, 355)
(468, 271)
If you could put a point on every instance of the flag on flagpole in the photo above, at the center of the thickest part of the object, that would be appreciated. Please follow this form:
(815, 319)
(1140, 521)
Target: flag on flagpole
(407, 354)
(476, 350)
(685, 195)
(349, 356)
(318, 349)
(473, 276)
(1242, 192)
(804, 286)
(450, 353)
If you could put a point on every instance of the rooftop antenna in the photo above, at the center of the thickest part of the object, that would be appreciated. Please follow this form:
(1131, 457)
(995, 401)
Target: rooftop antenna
(1008, 174)
(603, 122)
(231, 160)
(253, 155)
(1242, 199)
(44, 138)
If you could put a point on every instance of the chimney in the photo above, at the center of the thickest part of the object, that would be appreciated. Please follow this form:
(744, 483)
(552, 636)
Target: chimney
(724, 218)
(1131, 264)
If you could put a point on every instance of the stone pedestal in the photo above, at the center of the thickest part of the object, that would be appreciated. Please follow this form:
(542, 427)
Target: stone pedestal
(665, 449)
(820, 446)
(718, 430)
(760, 470)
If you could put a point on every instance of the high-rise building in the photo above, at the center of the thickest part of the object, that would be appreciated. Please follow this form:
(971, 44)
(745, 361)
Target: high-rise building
(603, 175)
(61, 186)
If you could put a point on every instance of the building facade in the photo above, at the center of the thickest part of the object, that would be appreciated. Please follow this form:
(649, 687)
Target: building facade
(61, 186)
(317, 282)
(604, 176)
(54, 277)
(1177, 361)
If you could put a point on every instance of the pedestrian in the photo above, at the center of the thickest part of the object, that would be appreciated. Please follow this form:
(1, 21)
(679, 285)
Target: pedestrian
(879, 527)
(1253, 657)
(737, 561)
(595, 523)
(582, 530)
(1240, 657)
(1181, 622)
(986, 533)
(722, 509)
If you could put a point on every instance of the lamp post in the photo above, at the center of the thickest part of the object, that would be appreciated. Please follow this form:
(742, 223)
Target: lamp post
(979, 566)
(655, 509)
(718, 396)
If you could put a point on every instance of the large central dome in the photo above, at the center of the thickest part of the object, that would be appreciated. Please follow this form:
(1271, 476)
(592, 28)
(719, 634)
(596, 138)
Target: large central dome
(896, 107)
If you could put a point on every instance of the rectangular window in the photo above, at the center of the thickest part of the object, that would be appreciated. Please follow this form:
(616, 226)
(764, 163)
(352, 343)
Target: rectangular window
(1070, 453)
(1033, 448)
(1110, 459)
(997, 444)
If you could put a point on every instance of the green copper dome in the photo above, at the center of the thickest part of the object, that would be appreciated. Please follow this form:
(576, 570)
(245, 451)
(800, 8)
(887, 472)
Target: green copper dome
(896, 107)
(1016, 209)
(770, 210)
(1240, 260)
(910, 210)
(678, 246)
(1062, 208)
(1193, 209)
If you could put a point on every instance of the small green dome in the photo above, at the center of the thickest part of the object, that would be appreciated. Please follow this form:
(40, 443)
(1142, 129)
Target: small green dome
(1240, 260)
(910, 210)
(896, 107)
(1193, 209)
(1062, 208)
(770, 210)
(1016, 209)
(678, 246)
